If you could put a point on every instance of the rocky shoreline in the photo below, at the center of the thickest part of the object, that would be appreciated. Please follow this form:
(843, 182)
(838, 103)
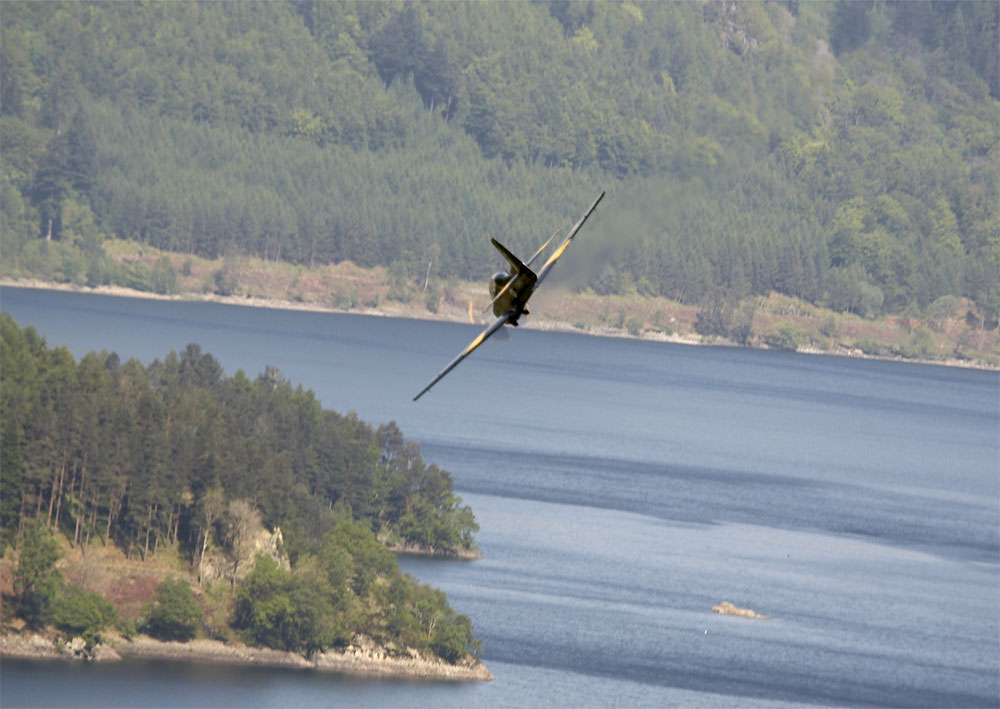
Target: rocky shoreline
(363, 659)
(434, 553)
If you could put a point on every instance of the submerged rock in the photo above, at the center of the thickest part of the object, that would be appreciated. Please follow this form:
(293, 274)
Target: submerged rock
(727, 608)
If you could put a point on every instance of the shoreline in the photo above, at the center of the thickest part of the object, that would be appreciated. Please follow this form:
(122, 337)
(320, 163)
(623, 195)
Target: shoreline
(402, 549)
(364, 660)
(405, 313)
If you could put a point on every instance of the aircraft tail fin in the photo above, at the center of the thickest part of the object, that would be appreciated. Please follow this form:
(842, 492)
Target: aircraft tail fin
(516, 266)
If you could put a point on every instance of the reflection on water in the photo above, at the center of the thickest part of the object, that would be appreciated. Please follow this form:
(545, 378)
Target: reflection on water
(623, 488)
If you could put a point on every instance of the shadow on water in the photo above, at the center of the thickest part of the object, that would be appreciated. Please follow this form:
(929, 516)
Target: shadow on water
(693, 494)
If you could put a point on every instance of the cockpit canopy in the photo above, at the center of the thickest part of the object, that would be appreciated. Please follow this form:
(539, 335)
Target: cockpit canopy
(498, 281)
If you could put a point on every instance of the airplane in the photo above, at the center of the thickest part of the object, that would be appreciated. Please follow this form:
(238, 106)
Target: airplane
(512, 289)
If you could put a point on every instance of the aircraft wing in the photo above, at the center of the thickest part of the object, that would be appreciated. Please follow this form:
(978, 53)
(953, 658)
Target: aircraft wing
(483, 336)
(569, 237)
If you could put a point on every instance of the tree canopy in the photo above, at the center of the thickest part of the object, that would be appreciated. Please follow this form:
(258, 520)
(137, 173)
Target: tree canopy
(140, 456)
(174, 615)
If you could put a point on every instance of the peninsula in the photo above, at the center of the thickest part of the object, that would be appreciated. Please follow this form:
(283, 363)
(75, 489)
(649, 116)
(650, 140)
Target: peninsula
(174, 502)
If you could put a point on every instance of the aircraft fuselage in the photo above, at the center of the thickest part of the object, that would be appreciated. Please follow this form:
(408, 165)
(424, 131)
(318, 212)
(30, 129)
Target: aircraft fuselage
(515, 297)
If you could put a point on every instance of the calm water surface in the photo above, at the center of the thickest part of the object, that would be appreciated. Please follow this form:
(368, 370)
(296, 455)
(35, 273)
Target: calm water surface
(623, 488)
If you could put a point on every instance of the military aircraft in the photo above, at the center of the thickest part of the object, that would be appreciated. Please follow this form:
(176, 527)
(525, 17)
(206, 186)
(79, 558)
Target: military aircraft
(512, 289)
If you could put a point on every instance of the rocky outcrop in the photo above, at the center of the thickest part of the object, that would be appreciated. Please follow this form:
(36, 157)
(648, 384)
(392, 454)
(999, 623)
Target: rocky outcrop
(364, 658)
(727, 608)
(35, 646)
(271, 544)
(76, 648)
(220, 565)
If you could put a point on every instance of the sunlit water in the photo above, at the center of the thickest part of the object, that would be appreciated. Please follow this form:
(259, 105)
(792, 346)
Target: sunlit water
(624, 488)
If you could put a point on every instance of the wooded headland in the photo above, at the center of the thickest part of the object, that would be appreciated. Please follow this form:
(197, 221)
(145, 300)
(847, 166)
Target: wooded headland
(172, 501)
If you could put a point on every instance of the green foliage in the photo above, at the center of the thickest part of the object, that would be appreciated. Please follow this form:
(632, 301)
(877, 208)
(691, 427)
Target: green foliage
(422, 617)
(369, 559)
(432, 297)
(174, 614)
(829, 326)
(128, 628)
(225, 280)
(219, 601)
(53, 260)
(849, 26)
(947, 306)
(608, 282)
(920, 345)
(634, 325)
(847, 291)
(84, 613)
(435, 518)
(452, 637)
(11, 478)
(742, 327)
(713, 318)
(787, 336)
(299, 611)
(264, 611)
(345, 297)
(719, 317)
(871, 347)
(163, 278)
(133, 275)
(36, 579)
(400, 282)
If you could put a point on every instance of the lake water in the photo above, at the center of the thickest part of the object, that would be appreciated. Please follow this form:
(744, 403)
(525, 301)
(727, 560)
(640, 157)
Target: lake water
(623, 488)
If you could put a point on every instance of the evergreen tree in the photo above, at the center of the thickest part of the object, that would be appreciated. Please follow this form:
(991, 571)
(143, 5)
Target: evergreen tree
(36, 579)
(174, 615)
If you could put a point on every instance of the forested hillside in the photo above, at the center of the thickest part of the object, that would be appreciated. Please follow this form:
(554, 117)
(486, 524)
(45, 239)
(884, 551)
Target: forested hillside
(842, 152)
(177, 456)
(140, 456)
